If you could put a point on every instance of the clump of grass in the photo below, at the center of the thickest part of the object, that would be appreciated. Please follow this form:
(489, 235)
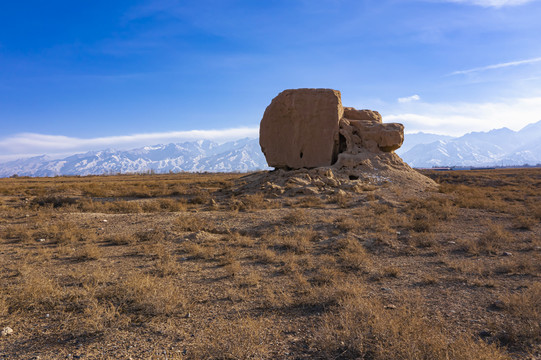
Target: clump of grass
(296, 217)
(392, 333)
(88, 251)
(122, 239)
(525, 307)
(242, 337)
(309, 201)
(167, 266)
(198, 251)
(352, 254)
(37, 292)
(18, 232)
(495, 238)
(150, 235)
(298, 241)
(189, 222)
(146, 295)
(424, 240)
(266, 256)
(233, 268)
(522, 222)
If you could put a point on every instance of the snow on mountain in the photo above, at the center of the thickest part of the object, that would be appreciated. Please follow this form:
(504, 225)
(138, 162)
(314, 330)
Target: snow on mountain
(201, 155)
(491, 148)
(410, 140)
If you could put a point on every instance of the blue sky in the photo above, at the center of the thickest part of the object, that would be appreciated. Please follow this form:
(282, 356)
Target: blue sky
(76, 76)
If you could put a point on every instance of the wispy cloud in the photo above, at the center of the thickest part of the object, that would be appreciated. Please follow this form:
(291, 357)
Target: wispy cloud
(497, 66)
(30, 144)
(460, 118)
(408, 99)
(492, 3)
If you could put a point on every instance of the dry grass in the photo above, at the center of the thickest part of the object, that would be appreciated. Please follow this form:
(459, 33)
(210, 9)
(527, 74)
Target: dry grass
(183, 266)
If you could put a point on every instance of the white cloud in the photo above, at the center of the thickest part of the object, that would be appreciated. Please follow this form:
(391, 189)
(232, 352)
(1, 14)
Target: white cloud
(460, 118)
(409, 99)
(497, 66)
(492, 3)
(31, 144)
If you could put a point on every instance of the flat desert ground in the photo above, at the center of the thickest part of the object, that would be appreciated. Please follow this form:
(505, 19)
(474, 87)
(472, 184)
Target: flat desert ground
(191, 266)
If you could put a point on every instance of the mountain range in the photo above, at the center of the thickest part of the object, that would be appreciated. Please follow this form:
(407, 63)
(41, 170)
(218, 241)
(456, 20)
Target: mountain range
(499, 147)
(195, 156)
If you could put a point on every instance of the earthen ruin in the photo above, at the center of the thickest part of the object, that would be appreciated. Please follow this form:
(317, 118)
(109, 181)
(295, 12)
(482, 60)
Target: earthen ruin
(308, 128)
(319, 147)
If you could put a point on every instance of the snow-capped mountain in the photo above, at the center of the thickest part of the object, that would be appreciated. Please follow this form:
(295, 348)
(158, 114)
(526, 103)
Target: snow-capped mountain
(202, 155)
(492, 148)
(499, 147)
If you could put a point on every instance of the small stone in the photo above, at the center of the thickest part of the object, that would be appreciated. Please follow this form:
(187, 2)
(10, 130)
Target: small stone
(451, 242)
(506, 253)
(104, 220)
(386, 289)
(40, 240)
(7, 331)
(390, 306)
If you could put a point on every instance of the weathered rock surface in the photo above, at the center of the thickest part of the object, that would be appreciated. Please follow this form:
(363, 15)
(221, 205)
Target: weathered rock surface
(300, 128)
(308, 128)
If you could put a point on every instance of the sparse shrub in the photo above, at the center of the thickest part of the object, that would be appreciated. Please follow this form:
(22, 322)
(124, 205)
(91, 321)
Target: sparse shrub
(239, 338)
(522, 222)
(88, 252)
(19, 232)
(124, 207)
(54, 201)
(150, 235)
(251, 279)
(352, 254)
(147, 295)
(167, 266)
(266, 256)
(296, 217)
(309, 201)
(122, 239)
(199, 252)
(189, 222)
(525, 307)
(391, 271)
(36, 292)
(494, 239)
(422, 221)
(172, 205)
(399, 333)
(424, 240)
(233, 268)
(347, 223)
(298, 241)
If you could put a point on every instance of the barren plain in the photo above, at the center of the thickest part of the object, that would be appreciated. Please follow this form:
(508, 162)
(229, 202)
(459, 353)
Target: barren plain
(189, 266)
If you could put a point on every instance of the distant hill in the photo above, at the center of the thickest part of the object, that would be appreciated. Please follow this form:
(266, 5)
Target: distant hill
(491, 148)
(202, 155)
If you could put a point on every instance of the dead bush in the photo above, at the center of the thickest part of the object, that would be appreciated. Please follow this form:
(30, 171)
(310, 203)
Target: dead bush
(494, 239)
(242, 337)
(189, 222)
(392, 333)
(525, 307)
(522, 222)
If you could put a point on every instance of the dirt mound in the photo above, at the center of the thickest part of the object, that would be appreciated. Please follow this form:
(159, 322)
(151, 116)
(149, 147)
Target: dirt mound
(376, 172)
